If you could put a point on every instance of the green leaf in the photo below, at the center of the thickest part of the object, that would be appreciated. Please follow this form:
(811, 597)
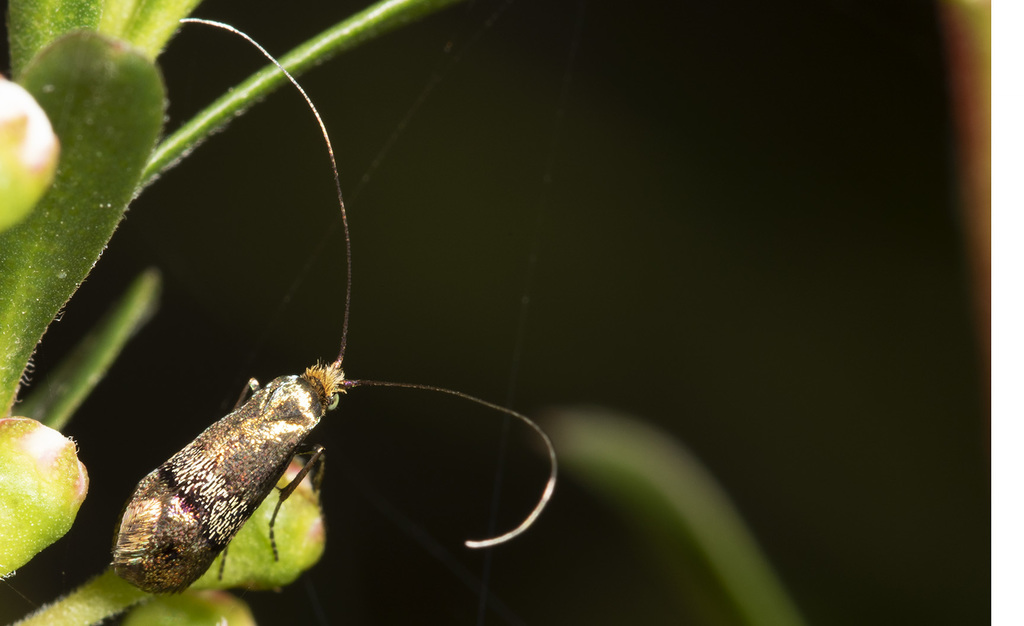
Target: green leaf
(685, 517)
(65, 389)
(34, 24)
(146, 24)
(106, 103)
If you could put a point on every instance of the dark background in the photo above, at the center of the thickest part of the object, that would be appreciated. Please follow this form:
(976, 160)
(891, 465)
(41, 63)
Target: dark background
(751, 238)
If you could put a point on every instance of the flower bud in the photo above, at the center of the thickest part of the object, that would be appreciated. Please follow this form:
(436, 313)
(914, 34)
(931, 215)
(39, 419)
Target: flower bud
(28, 153)
(42, 484)
(199, 608)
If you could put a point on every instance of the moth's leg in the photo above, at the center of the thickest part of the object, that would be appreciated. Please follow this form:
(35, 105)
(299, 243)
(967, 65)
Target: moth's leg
(315, 464)
(250, 388)
(223, 560)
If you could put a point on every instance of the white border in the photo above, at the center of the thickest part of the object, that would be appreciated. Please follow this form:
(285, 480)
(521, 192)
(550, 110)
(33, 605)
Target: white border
(1007, 313)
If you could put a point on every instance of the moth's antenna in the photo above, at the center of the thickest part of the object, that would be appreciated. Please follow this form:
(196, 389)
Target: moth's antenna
(549, 488)
(348, 384)
(334, 170)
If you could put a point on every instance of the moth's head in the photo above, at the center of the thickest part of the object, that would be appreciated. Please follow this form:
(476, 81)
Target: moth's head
(328, 381)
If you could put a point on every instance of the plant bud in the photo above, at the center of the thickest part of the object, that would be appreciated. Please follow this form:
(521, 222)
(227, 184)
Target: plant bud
(42, 484)
(193, 608)
(28, 153)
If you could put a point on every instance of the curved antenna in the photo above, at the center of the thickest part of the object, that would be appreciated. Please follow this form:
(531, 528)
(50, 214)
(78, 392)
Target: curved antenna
(549, 488)
(334, 168)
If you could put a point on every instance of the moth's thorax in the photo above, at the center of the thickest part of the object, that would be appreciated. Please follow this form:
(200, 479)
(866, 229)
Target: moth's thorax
(287, 402)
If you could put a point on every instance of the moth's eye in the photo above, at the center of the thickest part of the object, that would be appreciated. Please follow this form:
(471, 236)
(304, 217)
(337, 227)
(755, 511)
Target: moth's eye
(335, 399)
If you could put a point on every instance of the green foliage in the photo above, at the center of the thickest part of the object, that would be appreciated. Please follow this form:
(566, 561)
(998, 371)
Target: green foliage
(102, 596)
(197, 608)
(106, 103)
(146, 24)
(34, 24)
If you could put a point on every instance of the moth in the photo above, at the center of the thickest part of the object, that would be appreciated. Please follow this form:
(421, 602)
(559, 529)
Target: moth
(184, 513)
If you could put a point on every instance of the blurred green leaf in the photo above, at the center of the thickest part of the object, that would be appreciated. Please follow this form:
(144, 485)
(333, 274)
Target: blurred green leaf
(34, 24)
(146, 24)
(70, 384)
(681, 511)
(192, 608)
(106, 104)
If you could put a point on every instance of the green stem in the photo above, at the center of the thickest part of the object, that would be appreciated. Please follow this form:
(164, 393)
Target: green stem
(374, 21)
(102, 597)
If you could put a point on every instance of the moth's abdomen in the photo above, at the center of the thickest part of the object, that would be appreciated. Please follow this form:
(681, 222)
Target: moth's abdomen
(162, 545)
